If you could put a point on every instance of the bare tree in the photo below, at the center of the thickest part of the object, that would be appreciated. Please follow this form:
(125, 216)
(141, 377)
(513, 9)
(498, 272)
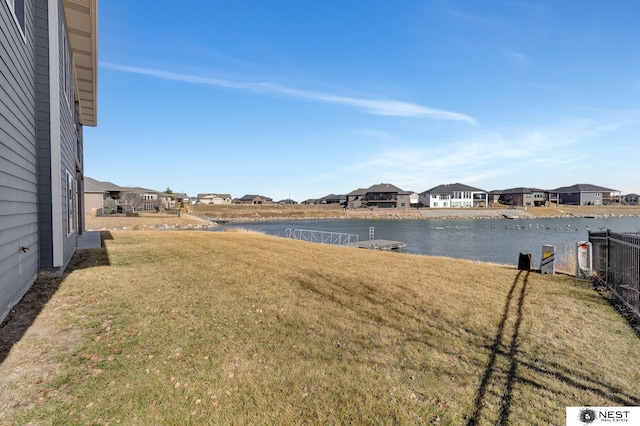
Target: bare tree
(131, 201)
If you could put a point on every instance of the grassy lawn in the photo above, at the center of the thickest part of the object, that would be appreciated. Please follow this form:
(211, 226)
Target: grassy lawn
(241, 328)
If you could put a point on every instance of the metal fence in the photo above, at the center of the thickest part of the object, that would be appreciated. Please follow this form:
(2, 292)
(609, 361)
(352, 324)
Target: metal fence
(616, 262)
(325, 237)
(127, 210)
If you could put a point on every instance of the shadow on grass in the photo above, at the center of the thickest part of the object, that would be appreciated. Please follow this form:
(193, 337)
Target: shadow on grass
(22, 316)
(516, 361)
(490, 369)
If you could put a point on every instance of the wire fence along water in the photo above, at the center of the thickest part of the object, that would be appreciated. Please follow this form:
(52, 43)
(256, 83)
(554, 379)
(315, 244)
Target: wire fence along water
(324, 237)
(616, 261)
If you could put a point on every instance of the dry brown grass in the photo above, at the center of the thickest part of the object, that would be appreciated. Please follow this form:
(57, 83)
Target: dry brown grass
(195, 215)
(267, 211)
(243, 328)
(566, 210)
(143, 221)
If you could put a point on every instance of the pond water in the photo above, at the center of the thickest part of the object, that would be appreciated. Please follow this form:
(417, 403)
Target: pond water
(487, 240)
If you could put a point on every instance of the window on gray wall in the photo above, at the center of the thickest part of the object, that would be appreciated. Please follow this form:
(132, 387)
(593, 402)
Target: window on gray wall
(71, 203)
(67, 72)
(17, 7)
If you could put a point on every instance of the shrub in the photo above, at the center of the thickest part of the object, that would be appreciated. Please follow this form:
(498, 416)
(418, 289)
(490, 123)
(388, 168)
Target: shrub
(109, 206)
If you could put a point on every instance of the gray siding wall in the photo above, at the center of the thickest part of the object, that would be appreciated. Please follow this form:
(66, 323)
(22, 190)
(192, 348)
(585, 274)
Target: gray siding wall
(18, 158)
(591, 198)
(69, 151)
(68, 146)
(43, 134)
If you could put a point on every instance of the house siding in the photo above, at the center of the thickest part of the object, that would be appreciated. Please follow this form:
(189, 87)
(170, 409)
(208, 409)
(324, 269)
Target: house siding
(43, 113)
(68, 145)
(18, 159)
(56, 136)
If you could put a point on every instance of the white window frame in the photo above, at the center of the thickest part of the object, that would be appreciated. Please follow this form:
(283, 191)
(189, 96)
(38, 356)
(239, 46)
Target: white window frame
(21, 26)
(71, 204)
(67, 72)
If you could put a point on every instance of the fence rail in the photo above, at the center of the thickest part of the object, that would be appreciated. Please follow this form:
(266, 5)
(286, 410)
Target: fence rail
(616, 262)
(325, 237)
(127, 210)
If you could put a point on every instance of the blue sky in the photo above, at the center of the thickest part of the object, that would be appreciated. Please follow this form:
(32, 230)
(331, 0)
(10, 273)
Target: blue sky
(291, 99)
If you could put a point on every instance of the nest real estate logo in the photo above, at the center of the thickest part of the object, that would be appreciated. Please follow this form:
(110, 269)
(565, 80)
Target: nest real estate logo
(581, 416)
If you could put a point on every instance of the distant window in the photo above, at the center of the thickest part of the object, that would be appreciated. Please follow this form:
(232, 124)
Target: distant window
(17, 7)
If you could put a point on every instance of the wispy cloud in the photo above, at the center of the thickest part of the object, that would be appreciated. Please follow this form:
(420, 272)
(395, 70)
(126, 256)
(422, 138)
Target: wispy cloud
(385, 107)
(494, 159)
(478, 21)
(516, 57)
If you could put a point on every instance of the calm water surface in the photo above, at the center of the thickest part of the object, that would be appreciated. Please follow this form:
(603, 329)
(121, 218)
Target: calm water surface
(486, 240)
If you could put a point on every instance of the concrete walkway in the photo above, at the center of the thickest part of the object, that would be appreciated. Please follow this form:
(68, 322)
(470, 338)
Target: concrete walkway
(89, 240)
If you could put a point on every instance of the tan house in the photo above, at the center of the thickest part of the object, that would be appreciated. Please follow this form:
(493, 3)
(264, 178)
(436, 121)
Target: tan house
(214, 199)
(97, 191)
(253, 199)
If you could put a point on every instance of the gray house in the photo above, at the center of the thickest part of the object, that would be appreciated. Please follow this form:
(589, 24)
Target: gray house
(332, 199)
(525, 197)
(584, 194)
(381, 196)
(48, 83)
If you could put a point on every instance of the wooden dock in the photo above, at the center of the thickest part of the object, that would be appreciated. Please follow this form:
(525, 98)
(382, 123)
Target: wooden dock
(379, 245)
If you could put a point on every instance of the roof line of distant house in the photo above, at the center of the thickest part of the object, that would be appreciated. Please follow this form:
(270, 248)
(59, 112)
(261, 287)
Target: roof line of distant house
(93, 185)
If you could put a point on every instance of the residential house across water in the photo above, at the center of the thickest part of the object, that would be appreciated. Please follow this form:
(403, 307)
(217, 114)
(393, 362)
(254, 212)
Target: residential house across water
(253, 199)
(585, 194)
(383, 196)
(454, 195)
(213, 198)
(523, 197)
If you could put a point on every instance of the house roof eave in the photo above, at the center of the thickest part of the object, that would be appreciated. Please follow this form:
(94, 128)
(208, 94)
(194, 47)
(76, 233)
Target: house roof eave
(82, 28)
